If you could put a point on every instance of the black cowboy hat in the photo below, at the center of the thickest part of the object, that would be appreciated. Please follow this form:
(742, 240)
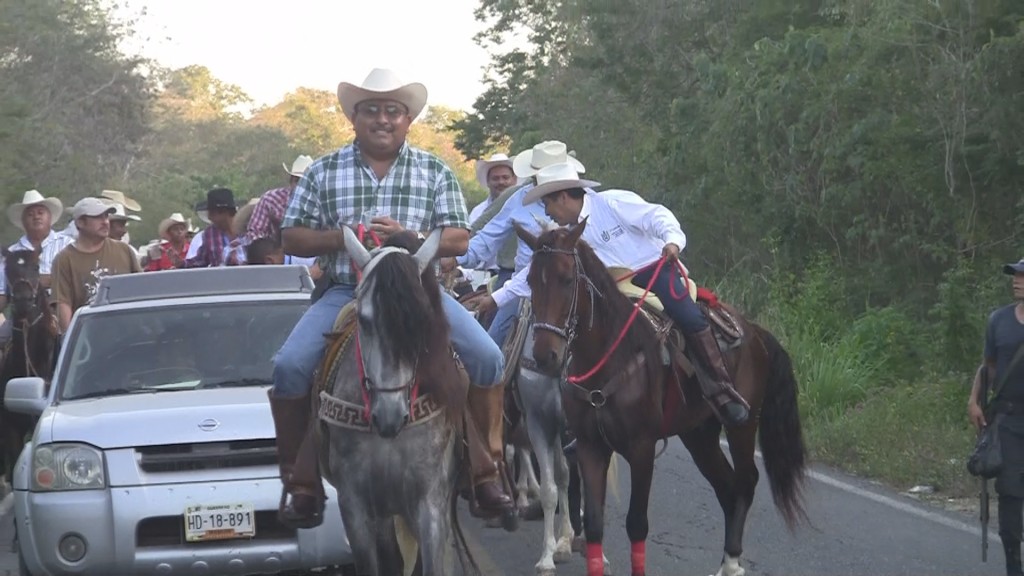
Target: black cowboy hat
(220, 198)
(1012, 269)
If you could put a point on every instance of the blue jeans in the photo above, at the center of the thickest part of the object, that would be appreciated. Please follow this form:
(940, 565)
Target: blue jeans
(684, 312)
(298, 358)
(505, 315)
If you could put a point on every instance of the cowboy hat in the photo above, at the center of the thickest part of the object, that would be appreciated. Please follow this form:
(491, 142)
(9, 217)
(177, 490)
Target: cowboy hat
(240, 223)
(220, 198)
(166, 224)
(121, 199)
(483, 167)
(119, 213)
(382, 83)
(33, 198)
(555, 178)
(299, 166)
(528, 162)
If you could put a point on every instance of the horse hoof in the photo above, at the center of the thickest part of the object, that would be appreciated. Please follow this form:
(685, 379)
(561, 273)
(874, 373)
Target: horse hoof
(562, 556)
(510, 520)
(579, 544)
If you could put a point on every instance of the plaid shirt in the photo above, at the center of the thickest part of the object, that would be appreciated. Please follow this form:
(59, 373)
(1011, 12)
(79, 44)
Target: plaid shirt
(214, 250)
(266, 218)
(420, 192)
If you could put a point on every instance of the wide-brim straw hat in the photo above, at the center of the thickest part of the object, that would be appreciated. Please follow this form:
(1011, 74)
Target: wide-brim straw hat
(529, 162)
(383, 84)
(34, 198)
(555, 178)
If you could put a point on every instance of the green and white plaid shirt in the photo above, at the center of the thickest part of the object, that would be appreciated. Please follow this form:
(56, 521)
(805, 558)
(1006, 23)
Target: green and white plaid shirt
(420, 192)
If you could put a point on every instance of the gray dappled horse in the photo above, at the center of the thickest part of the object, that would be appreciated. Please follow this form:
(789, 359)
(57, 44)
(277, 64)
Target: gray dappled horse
(394, 403)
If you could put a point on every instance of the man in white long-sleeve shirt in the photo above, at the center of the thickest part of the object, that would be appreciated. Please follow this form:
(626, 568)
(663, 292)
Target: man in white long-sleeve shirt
(626, 231)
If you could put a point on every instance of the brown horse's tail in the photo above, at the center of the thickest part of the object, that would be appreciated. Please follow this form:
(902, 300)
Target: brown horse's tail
(781, 438)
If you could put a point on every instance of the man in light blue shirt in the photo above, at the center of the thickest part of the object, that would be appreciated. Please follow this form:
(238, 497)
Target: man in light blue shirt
(485, 244)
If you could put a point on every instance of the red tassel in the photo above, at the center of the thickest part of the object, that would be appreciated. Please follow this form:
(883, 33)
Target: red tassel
(595, 559)
(708, 297)
(638, 557)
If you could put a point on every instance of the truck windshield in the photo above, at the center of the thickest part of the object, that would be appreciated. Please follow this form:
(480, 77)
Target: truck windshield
(176, 348)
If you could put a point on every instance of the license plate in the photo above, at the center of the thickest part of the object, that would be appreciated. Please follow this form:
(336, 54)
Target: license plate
(205, 522)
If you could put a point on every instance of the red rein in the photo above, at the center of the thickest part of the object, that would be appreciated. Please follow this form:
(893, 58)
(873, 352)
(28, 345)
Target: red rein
(636, 310)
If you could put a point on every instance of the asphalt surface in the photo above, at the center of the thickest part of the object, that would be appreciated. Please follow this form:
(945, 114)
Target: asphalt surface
(857, 527)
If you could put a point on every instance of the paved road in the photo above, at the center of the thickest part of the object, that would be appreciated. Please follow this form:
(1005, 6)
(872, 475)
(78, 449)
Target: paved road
(858, 528)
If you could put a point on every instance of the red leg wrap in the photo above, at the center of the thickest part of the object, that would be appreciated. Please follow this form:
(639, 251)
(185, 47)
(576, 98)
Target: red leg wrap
(638, 557)
(595, 559)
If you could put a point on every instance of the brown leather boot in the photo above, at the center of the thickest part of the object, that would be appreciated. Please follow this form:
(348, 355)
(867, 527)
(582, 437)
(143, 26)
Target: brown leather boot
(486, 408)
(302, 494)
(727, 404)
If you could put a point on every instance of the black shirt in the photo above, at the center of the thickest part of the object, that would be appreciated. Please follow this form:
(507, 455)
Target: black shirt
(1003, 337)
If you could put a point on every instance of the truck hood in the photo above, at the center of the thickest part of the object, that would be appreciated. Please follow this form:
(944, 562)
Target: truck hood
(179, 417)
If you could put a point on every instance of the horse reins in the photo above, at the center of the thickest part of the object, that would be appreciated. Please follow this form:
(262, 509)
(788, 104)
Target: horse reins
(25, 324)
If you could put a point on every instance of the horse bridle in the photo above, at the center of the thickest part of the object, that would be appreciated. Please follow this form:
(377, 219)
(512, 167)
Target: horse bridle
(31, 303)
(568, 332)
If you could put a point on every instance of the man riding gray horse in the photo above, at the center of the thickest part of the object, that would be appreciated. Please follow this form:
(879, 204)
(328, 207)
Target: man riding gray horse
(382, 180)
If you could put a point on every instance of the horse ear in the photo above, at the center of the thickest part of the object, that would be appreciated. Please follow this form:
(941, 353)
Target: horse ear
(577, 231)
(425, 255)
(524, 235)
(360, 255)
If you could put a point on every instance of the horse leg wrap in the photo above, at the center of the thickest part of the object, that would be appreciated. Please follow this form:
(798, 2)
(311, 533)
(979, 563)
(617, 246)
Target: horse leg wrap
(595, 559)
(638, 557)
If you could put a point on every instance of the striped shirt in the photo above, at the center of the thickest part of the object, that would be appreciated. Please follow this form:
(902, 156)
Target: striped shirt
(214, 249)
(419, 191)
(50, 246)
(265, 221)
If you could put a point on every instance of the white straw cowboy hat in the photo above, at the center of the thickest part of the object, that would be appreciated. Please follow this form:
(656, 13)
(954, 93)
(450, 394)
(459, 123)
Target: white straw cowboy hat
(121, 199)
(529, 162)
(299, 166)
(555, 178)
(119, 213)
(382, 83)
(166, 224)
(34, 198)
(483, 167)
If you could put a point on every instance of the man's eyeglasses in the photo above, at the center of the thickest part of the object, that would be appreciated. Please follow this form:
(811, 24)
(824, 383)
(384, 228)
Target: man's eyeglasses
(391, 111)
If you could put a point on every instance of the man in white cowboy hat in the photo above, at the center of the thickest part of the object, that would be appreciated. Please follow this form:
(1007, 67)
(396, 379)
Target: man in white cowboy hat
(382, 179)
(171, 252)
(78, 268)
(119, 222)
(35, 215)
(492, 240)
(495, 174)
(626, 231)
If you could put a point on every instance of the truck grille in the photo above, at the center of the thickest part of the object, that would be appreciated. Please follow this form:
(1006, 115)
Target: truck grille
(170, 531)
(207, 456)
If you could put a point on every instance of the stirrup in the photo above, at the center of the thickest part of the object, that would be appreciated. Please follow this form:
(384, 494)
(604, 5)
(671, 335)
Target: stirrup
(292, 518)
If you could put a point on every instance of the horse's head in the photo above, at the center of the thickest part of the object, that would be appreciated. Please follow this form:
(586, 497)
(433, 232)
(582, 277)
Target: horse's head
(561, 293)
(395, 311)
(21, 267)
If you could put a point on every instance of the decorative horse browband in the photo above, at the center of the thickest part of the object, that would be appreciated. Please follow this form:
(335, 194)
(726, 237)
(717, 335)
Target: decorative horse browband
(338, 412)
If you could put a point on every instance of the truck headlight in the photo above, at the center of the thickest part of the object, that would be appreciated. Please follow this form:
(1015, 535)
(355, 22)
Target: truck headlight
(67, 467)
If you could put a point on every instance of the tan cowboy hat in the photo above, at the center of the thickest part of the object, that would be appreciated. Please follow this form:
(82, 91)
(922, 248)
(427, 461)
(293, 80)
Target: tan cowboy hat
(166, 224)
(555, 178)
(299, 166)
(483, 167)
(240, 223)
(119, 213)
(34, 198)
(382, 83)
(121, 199)
(529, 162)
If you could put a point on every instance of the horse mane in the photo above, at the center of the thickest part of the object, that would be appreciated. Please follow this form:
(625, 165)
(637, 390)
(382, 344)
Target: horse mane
(616, 308)
(409, 312)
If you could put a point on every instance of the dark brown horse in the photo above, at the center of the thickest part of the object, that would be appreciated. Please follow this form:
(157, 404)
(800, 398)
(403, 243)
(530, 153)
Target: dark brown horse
(32, 349)
(633, 399)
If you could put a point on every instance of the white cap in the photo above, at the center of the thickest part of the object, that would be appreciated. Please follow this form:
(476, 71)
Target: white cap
(91, 207)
